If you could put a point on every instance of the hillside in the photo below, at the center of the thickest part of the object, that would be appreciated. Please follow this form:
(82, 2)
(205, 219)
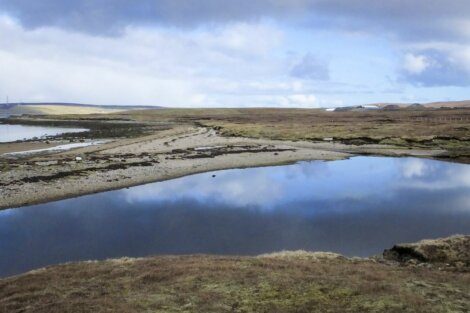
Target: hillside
(434, 105)
(64, 108)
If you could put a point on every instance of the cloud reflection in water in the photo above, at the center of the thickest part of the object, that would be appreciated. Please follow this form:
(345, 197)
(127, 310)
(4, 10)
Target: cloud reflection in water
(356, 207)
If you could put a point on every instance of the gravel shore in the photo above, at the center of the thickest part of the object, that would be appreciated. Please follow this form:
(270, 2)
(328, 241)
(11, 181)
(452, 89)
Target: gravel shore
(161, 156)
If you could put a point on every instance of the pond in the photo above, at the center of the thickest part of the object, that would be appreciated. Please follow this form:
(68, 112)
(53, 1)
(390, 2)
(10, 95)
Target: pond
(9, 133)
(356, 207)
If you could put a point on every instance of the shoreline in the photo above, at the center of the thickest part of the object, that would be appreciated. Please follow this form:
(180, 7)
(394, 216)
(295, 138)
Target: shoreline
(447, 252)
(162, 156)
(408, 277)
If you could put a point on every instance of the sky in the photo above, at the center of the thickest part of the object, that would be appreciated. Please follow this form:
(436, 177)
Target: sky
(245, 53)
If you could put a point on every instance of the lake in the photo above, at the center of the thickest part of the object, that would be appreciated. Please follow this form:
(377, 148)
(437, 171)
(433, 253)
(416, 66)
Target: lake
(9, 133)
(356, 207)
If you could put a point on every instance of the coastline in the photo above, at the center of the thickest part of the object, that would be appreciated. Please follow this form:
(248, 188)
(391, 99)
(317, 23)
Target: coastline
(162, 156)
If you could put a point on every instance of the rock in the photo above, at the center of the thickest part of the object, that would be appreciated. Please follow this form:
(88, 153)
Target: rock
(453, 250)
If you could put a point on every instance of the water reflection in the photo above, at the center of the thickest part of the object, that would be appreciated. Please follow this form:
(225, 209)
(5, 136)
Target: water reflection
(10, 133)
(356, 207)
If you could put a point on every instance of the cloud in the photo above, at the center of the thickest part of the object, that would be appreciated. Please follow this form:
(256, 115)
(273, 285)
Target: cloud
(432, 68)
(111, 17)
(310, 67)
(226, 53)
(217, 67)
(415, 64)
(405, 19)
(409, 20)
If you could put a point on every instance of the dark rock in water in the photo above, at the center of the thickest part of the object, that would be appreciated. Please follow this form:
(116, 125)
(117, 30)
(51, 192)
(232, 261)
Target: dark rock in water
(213, 175)
(451, 250)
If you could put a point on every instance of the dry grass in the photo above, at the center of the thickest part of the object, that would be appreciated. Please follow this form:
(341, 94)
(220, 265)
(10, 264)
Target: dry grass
(450, 250)
(444, 127)
(236, 284)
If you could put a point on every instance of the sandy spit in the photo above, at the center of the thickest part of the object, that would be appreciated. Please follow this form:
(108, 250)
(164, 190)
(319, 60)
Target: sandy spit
(162, 156)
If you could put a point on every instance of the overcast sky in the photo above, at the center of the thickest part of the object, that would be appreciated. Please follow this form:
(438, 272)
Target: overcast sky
(216, 53)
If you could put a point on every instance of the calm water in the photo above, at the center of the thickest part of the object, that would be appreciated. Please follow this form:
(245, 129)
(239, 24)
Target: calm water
(356, 207)
(19, 132)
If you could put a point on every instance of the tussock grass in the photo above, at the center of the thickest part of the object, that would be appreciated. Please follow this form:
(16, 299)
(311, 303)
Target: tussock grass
(431, 128)
(286, 282)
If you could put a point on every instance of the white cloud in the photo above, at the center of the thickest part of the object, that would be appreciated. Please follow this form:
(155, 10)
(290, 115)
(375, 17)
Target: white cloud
(213, 53)
(148, 66)
(415, 64)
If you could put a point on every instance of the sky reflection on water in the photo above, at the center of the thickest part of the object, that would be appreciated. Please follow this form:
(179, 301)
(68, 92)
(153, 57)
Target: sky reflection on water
(356, 207)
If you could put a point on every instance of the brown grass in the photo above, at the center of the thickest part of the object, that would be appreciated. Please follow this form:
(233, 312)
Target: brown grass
(431, 128)
(236, 284)
(446, 129)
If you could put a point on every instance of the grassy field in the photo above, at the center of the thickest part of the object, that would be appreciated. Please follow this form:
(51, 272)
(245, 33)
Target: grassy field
(442, 129)
(430, 127)
(303, 124)
(447, 129)
(285, 282)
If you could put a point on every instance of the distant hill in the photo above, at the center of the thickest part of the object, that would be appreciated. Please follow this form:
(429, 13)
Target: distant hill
(65, 108)
(435, 105)
(449, 104)
(386, 106)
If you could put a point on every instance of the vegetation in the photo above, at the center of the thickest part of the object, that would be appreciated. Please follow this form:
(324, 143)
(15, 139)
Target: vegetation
(286, 282)
(445, 128)
(422, 127)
